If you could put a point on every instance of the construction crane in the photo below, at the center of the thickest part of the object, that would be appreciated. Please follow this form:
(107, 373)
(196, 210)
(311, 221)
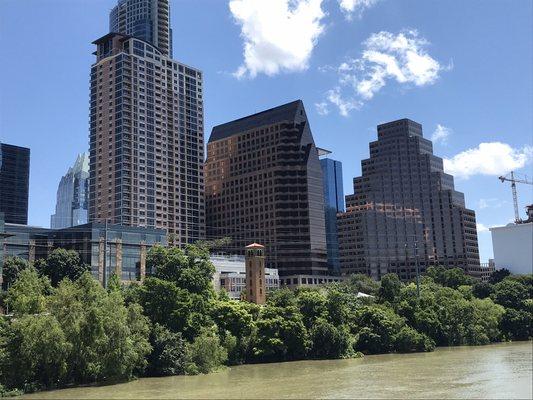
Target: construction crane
(511, 178)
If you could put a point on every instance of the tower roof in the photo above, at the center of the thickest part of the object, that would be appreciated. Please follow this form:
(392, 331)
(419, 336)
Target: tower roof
(255, 246)
(281, 113)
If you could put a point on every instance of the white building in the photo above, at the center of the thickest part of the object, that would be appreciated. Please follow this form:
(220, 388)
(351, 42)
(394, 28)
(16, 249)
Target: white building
(513, 247)
(230, 274)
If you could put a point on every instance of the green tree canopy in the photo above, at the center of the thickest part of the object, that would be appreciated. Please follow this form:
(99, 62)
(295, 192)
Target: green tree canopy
(61, 264)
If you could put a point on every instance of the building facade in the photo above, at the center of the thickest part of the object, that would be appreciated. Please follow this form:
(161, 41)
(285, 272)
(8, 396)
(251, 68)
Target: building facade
(264, 184)
(148, 20)
(405, 214)
(146, 140)
(513, 246)
(72, 204)
(333, 204)
(230, 275)
(121, 250)
(14, 183)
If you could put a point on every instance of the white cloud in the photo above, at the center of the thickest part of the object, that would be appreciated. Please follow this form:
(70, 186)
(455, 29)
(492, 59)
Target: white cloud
(387, 57)
(441, 134)
(343, 104)
(493, 158)
(481, 228)
(351, 7)
(490, 203)
(279, 35)
(322, 108)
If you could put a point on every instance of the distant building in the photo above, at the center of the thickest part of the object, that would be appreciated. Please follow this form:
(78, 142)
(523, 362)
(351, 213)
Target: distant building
(264, 184)
(14, 183)
(513, 246)
(405, 213)
(333, 204)
(124, 255)
(297, 281)
(148, 20)
(73, 196)
(230, 275)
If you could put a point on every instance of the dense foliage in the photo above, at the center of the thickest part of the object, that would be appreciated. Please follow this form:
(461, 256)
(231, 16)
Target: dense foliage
(64, 328)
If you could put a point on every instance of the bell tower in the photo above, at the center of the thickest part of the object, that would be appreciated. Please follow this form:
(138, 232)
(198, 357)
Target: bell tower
(255, 273)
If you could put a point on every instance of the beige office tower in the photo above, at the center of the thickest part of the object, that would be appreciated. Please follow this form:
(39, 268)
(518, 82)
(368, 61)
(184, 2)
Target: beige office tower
(255, 273)
(146, 139)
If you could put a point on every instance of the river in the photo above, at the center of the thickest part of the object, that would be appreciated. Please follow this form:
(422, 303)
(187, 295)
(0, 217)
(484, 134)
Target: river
(495, 371)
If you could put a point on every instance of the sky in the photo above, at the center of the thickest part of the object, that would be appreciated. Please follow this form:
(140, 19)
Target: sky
(463, 69)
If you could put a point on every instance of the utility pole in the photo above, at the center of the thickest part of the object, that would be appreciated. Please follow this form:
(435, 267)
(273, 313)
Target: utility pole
(105, 255)
(417, 271)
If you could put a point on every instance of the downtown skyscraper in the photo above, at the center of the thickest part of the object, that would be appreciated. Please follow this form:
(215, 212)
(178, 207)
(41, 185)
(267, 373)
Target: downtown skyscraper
(264, 184)
(146, 134)
(73, 196)
(405, 213)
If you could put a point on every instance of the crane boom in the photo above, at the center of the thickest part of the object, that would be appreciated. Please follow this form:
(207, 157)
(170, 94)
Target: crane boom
(514, 181)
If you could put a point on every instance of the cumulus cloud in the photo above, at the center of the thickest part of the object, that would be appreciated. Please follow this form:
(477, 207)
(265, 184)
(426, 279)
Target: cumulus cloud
(494, 158)
(481, 228)
(441, 134)
(386, 57)
(278, 35)
(355, 7)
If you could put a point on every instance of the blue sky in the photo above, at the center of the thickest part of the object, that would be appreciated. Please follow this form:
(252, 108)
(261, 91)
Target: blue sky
(461, 68)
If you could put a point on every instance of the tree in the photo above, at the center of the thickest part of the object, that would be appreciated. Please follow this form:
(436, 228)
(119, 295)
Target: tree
(450, 277)
(482, 290)
(13, 266)
(173, 307)
(36, 351)
(390, 288)
(283, 297)
(499, 275)
(409, 340)
(28, 294)
(376, 329)
(363, 283)
(329, 341)
(516, 325)
(190, 269)
(205, 354)
(62, 264)
(281, 335)
(510, 293)
(109, 340)
(168, 356)
(312, 305)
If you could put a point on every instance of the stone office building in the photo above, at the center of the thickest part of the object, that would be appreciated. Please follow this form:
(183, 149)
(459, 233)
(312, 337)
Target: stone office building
(264, 184)
(405, 212)
(146, 129)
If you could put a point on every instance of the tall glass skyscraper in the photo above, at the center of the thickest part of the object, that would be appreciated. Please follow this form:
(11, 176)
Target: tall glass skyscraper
(333, 204)
(14, 183)
(146, 135)
(148, 20)
(73, 196)
(405, 214)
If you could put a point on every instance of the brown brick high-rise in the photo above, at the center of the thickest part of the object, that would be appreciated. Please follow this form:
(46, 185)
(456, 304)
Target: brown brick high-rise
(264, 184)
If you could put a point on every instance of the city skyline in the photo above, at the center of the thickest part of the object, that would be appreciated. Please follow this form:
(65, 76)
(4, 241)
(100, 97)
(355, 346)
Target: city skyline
(495, 112)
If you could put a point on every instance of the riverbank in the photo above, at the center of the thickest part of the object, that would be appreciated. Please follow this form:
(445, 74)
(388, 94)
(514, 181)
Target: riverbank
(502, 370)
